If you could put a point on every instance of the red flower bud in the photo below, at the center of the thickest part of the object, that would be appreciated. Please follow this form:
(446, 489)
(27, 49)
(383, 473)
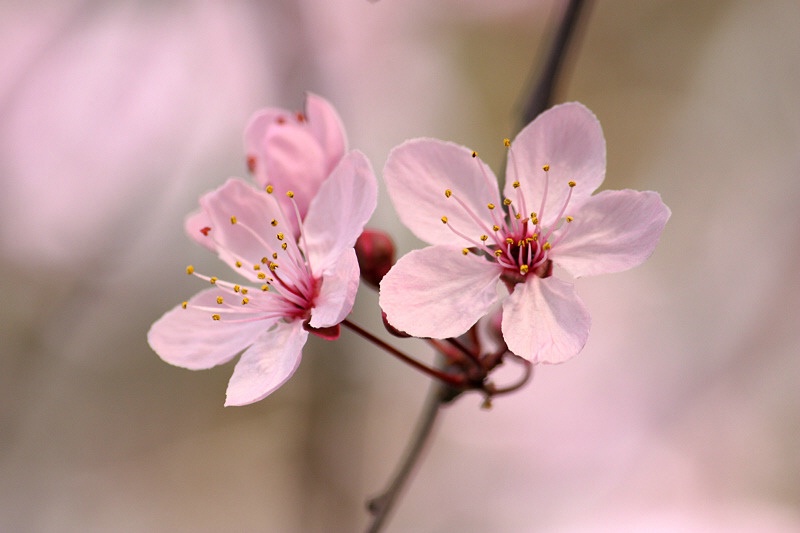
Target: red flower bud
(375, 252)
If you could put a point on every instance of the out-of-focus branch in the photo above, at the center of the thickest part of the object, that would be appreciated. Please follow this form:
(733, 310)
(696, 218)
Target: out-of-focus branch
(541, 97)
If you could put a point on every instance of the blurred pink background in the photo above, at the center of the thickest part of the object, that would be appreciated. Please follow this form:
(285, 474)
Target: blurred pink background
(682, 413)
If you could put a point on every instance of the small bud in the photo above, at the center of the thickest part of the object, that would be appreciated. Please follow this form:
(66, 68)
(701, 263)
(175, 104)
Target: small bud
(375, 252)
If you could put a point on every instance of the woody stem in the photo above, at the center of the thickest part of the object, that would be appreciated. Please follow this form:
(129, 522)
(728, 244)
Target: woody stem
(381, 505)
(448, 379)
(542, 95)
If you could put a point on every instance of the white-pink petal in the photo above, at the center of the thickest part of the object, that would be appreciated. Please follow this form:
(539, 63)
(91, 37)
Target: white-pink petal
(339, 211)
(337, 292)
(418, 172)
(326, 127)
(267, 364)
(195, 226)
(613, 231)
(569, 139)
(544, 320)
(252, 209)
(257, 127)
(438, 292)
(191, 339)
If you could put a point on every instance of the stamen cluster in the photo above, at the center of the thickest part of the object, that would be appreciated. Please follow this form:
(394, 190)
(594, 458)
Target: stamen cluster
(292, 288)
(515, 238)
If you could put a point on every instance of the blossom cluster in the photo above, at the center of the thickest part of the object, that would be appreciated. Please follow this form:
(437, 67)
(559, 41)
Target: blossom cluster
(291, 234)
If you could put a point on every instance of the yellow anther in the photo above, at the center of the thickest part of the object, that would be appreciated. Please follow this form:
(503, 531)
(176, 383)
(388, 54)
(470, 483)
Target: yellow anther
(215, 316)
(283, 247)
(498, 253)
(484, 237)
(507, 202)
(571, 183)
(546, 168)
(448, 193)
(236, 288)
(490, 206)
(274, 222)
(496, 228)
(570, 219)
(523, 269)
(261, 275)
(515, 185)
(264, 260)
(265, 287)
(256, 267)
(274, 255)
(269, 189)
(280, 236)
(273, 266)
(213, 280)
(238, 264)
(506, 142)
(509, 240)
(245, 301)
(244, 291)
(465, 251)
(521, 243)
(474, 154)
(184, 304)
(233, 219)
(290, 194)
(547, 246)
(219, 299)
(518, 216)
(190, 270)
(444, 220)
(535, 237)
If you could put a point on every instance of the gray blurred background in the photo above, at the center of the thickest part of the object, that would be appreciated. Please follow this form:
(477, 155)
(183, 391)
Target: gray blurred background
(682, 413)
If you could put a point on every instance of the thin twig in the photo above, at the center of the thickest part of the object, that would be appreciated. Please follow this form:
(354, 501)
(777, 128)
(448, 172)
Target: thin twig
(542, 96)
(382, 505)
(449, 379)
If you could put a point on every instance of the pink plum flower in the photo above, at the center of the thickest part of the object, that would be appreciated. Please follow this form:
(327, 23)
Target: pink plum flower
(294, 285)
(297, 151)
(288, 150)
(449, 198)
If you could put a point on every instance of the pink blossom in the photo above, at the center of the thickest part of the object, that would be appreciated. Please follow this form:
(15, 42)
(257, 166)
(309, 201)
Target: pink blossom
(296, 150)
(449, 198)
(293, 285)
(288, 150)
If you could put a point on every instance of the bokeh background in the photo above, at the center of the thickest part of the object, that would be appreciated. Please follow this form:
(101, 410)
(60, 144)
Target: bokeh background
(682, 413)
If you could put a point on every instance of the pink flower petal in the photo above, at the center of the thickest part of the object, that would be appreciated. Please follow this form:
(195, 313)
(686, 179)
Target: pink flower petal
(189, 338)
(613, 231)
(340, 210)
(544, 320)
(257, 127)
(293, 151)
(198, 227)
(568, 137)
(337, 293)
(292, 159)
(418, 172)
(252, 209)
(327, 128)
(438, 292)
(267, 364)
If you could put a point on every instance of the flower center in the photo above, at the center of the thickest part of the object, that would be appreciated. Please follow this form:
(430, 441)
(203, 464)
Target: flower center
(288, 288)
(513, 237)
